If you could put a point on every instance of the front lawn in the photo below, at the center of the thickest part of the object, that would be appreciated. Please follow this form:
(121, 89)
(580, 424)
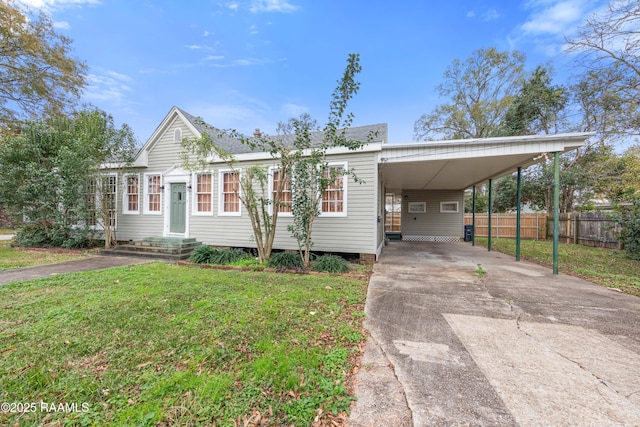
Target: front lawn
(24, 257)
(164, 345)
(605, 267)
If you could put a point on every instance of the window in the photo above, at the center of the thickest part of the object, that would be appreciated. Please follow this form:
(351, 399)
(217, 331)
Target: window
(333, 199)
(417, 207)
(131, 202)
(449, 207)
(229, 198)
(204, 193)
(153, 194)
(285, 195)
(91, 201)
(101, 195)
(109, 194)
(177, 136)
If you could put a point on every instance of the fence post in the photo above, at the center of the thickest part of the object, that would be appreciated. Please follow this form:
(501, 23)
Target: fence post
(568, 227)
(576, 228)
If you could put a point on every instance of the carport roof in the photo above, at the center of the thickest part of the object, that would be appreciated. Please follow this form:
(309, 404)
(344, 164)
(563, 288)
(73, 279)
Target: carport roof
(460, 164)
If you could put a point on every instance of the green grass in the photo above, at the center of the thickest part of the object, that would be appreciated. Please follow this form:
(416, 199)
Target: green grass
(7, 230)
(605, 267)
(18, 258)
(160, 344)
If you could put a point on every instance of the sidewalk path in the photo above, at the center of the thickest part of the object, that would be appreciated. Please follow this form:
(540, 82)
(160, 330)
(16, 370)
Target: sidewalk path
(95, 262)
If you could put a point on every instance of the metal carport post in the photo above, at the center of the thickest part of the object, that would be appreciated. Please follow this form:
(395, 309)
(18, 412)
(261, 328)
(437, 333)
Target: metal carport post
(556, 208)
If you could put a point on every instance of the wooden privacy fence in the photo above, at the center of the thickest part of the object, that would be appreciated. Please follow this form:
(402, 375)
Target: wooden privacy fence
(593, 228)
(532, 226)
(392, 221)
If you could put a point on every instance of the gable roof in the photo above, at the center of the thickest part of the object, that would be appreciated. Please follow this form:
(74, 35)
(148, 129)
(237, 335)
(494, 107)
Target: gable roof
(377, 132)
(199, 127)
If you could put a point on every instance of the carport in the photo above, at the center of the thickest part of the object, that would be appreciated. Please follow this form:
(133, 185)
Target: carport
(438, 172)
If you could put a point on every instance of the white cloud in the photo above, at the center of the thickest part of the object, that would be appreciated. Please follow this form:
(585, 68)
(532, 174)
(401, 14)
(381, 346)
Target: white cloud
(253, 30)
(205, 33)
(471, 14)
(233, 6)
(282, 6)
(490, 15)
(293, 110)
(193, 46)
(555, 17)
(49, 5)
(214, 58)
(62, 25)
(107, 86)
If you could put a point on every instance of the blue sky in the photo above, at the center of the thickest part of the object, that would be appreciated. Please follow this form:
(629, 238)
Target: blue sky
(247, 64)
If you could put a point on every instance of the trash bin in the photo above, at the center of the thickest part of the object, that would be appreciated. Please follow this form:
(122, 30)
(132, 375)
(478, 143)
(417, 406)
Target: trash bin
(468, 232)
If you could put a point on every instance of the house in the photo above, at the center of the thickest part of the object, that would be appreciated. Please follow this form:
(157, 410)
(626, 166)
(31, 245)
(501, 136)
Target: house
(161, 198)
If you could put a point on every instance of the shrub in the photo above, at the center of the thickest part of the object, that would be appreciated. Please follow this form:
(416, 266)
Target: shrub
(628, 220)
(52, 236)
(202, 255)
(226, 256)
(285, 260)
(219, 256)
(330, 264)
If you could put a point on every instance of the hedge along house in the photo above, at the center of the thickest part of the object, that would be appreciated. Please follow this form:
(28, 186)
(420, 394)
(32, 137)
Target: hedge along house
(160, 198)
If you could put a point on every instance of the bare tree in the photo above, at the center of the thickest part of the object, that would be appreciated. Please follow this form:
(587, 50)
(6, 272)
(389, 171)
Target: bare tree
(608, 45)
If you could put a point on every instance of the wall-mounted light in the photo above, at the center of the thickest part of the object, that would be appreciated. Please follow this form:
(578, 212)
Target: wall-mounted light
(189, 187)
(162, 187)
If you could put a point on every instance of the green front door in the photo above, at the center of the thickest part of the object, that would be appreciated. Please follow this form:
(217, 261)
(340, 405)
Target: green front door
(178, 214)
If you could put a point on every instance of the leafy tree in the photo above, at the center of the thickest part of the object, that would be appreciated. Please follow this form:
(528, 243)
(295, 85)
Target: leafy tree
(537, 107)
(480, 91)
(609, 48)
(619, 180)
(38, 76)
(302, 166)
(482, 200)
(261, 206)
(52, 180)
(311, 173)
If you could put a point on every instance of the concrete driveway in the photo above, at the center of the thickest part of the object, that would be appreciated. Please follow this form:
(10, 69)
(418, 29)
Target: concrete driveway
(518, 346)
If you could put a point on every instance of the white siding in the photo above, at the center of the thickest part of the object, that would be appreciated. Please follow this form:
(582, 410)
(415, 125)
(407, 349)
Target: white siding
(353, 233)
(432, 224)
(163, 156)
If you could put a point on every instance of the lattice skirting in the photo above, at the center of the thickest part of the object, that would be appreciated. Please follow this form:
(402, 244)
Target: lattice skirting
(447, 239)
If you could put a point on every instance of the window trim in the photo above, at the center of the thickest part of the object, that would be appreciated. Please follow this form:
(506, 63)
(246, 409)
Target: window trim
(146, 194)
(194, 191)
(177, 135)
(271, 189)
(345, 181)
(457, 204)
(97, 226)
(221, 211)
(126, 194)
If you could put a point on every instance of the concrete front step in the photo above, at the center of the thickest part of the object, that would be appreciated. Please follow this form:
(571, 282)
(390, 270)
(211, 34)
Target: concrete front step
(171, 249)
